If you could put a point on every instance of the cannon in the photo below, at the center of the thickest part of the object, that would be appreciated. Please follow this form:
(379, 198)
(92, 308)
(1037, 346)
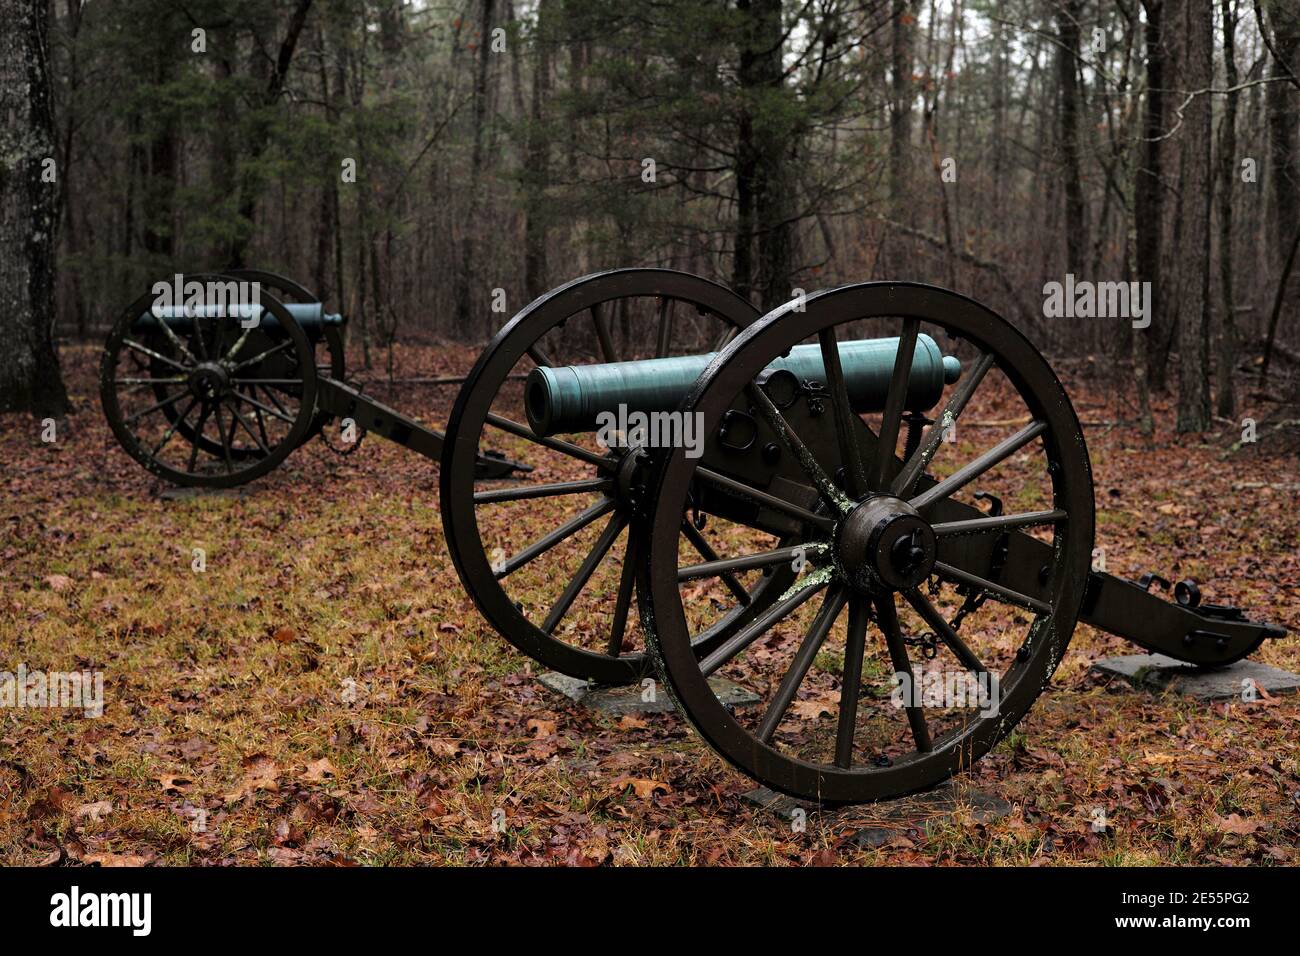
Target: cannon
(829, 538)
(897, 593)
(260, 378)
(218, 395)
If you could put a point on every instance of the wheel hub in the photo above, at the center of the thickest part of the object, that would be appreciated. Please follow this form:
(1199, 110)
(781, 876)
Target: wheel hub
(885, 545)
(209, 381)
(630, 480)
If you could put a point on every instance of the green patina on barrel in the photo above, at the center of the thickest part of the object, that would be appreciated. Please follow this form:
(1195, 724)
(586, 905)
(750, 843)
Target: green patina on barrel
(569, 399)
(310, 315)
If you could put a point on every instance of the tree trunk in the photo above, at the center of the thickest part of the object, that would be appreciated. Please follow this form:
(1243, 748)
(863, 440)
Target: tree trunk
(1198, 195)
(1226, 400)
(1284, 19)
(763, 158)
(1067, 56)
(30, 379)
(903, 32)
(462, 287)
(1148, 197)
(259, 135)
(537, 174)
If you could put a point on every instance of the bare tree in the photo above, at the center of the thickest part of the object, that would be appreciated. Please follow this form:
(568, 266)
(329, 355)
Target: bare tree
(1198, 193)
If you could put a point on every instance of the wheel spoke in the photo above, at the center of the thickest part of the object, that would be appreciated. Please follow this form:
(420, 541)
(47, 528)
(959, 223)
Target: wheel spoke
(701, 544)
(803, 660)
(626, 587)
(225, 440)
(167, 436)
(542, 491)
(175, 340)
(261, 425)
(555, 444)
(550, 540)
(261, 355)
(202, 345)
(154, 355)
(239, 344)
(539, 357)
(930, 614)
(602, 335)
(274, 401)
(198, 436)
(763, 498)
(999, 522)
(741, 640)
(895, 402)
(846, 421)
(665, 327)
(266, 381)
(746, 562)
(261, 405)
(165, 403)
(240, 419)
(973, 469)
(776, 421)
(173, 380)
(920, 460)
(597, 554)
(218, 335)
(851, 681)
(887, 616)
(994, 590)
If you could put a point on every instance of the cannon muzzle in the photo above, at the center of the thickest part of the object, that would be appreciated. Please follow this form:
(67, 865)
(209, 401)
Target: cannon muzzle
(571, 398)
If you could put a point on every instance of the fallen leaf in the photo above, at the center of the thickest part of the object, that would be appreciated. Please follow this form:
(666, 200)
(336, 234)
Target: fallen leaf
(632, 722)
(58, 582)
(813, 709)
(118, 859)
(1152, 757)
(541, 728)
(285, 635)
(94, 811)
(260, 773)
(645, 789)
(442, 747)
(1235, 823)
(53, 803)
(174, 784)
(319, 770)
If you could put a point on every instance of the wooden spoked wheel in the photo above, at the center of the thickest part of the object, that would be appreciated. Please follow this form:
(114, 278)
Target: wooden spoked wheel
(550, 560)
(896, 582)
(212, 402)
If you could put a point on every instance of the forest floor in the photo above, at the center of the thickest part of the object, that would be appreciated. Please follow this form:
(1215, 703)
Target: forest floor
(325, 692)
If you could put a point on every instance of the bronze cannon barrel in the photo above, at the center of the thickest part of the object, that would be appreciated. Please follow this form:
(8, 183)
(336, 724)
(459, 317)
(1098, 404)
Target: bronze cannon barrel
(310, 315)
(572, 398)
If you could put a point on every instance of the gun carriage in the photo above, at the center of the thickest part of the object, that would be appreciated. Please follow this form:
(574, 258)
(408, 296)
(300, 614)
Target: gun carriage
(825, 533)
(822, 540)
